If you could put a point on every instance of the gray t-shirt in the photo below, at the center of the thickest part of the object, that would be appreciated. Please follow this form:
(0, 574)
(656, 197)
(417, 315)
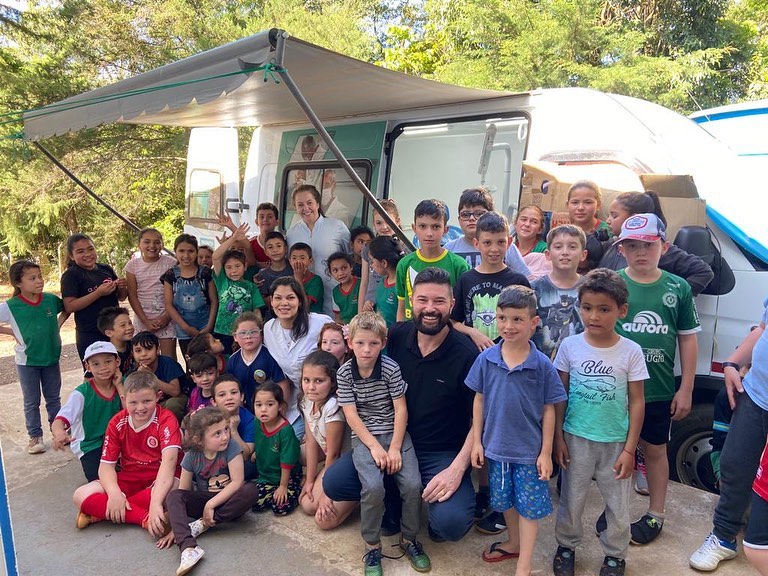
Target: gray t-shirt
(269, 276)
(210, 475)
(372, 396)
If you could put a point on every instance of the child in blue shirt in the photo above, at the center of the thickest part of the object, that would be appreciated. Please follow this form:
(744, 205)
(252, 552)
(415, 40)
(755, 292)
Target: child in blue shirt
(513, 425)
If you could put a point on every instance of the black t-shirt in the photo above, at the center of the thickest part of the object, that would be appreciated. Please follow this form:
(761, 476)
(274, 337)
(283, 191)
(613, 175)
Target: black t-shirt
(476, 295)
(77, 282)
(439, 403)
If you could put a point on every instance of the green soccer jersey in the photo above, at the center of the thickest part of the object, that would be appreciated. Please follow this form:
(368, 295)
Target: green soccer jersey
(274, 451)
(315, 290)
(87, 413)
(36, 328)
(386, 301)
(413, 263)
(345, 303)
(235, 297)
(658, 313)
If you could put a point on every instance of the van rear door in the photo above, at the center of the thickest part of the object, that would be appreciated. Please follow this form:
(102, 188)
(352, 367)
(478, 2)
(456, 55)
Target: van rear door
(212, 183)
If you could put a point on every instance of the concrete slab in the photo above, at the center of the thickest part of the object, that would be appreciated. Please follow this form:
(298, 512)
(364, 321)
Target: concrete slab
(48, 542)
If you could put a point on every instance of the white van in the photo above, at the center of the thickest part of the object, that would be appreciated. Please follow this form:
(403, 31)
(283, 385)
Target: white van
(410, 139)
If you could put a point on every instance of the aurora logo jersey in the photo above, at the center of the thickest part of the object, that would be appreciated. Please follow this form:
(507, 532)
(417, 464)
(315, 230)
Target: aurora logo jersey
(646, 322)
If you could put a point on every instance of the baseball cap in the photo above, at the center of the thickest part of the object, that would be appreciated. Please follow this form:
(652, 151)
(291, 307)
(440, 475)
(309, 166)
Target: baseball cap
(100, 348)
(643, 227)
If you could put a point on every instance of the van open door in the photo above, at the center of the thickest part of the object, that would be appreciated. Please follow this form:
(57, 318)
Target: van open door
(212, 183)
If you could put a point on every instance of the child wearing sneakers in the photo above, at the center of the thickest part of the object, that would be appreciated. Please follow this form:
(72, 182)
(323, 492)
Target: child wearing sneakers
(513, 423)
(371, 391)
(597, 433)
(145, 438)
(661, 316)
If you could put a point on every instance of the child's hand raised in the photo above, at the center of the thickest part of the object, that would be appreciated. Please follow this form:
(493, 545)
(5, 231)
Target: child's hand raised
(394, 461)
(478, 455)
(624, 465)
(241, 232)
(379, 456)
(225, 221)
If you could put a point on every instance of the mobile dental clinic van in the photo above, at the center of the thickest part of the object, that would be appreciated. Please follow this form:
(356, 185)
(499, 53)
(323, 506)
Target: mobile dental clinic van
(360, 132)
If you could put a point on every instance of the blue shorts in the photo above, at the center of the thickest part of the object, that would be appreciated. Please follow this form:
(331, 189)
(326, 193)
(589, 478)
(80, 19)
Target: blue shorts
(518, 486)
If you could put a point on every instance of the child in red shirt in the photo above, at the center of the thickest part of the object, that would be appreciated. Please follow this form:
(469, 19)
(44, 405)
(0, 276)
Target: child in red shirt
(146, 438)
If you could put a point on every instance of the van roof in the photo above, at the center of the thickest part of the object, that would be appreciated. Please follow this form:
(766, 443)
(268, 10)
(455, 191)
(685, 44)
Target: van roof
(211, 89)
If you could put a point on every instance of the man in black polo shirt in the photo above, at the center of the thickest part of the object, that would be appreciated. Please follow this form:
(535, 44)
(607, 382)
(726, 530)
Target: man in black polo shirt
(434, 360)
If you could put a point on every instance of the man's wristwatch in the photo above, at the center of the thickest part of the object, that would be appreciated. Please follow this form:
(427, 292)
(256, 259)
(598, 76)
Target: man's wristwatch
(732, 365)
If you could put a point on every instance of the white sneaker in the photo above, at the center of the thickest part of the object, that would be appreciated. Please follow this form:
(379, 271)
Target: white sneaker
(641, 483)
(197, 527)
(35, 445)
(710, 554)
(189, 557)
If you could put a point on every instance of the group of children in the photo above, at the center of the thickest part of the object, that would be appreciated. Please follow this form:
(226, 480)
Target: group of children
(569, 366)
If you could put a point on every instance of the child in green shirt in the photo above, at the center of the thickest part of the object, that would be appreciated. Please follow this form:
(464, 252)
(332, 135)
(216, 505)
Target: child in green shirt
(346, 294)
(300, 257)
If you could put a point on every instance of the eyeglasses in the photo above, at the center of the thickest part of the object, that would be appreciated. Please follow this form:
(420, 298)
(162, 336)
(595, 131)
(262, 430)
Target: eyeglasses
(247, 333)
(467, 214)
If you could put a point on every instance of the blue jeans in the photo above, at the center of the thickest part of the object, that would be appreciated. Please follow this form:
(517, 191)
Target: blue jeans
(449, 520)
(33, 379)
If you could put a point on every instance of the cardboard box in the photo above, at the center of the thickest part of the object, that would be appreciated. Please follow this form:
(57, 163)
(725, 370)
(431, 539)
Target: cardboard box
(546, 184)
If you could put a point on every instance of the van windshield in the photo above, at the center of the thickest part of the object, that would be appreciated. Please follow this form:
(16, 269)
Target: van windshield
(441, 159)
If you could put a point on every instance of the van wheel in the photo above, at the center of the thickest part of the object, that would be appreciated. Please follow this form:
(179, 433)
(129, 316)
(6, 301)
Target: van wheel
(689, 449)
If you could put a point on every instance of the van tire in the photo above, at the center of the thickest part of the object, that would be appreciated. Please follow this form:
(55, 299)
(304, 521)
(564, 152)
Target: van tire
(689, 449)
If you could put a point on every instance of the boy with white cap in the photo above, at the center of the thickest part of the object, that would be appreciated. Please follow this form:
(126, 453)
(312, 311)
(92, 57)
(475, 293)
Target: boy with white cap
(661, 315)
(82, 421)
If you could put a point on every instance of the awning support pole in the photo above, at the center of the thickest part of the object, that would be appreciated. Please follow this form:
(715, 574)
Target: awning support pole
(326, 137)
(82, 185)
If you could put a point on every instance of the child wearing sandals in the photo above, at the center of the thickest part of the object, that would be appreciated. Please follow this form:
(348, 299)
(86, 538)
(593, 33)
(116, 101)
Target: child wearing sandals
(513, 425)
(212, 488)
(329, 437)
(277, 453)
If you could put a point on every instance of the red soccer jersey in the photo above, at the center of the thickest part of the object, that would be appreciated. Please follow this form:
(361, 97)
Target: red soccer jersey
(258, 250)
(140, 450)
(760, 484)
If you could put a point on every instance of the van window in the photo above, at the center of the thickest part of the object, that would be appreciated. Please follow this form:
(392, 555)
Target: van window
(206, 195)
(341, 198)
(442, 159)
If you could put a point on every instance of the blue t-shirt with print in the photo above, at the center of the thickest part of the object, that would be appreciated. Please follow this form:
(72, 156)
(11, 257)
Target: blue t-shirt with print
(756, 381)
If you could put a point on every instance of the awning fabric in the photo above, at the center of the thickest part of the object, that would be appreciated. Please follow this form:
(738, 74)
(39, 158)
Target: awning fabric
(336, 87)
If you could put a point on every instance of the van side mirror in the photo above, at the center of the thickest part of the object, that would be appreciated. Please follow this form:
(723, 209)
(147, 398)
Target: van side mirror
(698, 241)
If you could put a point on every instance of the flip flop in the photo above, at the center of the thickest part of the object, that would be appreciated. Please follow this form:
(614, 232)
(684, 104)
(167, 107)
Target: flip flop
(502, 554)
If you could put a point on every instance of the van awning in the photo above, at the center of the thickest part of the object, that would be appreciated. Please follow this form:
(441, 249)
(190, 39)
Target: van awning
(337, 87)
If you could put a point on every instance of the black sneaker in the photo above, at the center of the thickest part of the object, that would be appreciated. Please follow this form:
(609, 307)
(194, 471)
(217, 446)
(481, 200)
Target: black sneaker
(372, 563)
(601, 525)
(482, 503)
(612, 566)
(645, 530)
(494, 523)
(564, 562)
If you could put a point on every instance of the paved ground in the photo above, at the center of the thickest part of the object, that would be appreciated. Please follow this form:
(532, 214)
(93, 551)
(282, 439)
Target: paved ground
(47, 541)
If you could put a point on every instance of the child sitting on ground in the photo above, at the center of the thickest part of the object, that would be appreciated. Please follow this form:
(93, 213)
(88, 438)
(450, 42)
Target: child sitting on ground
(115, 323)
(372, 394)
(324, 418)
(513, 425)
(228, 395)
(147, 358)
(346, 293)
(83, 419)
(597, 433)
(212, 488)
(203, 371)
(145, 438)
(277, 453)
